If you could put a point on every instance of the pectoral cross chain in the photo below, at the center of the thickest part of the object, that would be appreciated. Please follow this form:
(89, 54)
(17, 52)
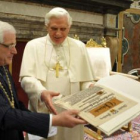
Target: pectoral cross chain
(57, 68)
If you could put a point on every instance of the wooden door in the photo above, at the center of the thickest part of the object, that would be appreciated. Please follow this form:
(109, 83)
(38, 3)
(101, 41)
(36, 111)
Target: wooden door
(129, 40)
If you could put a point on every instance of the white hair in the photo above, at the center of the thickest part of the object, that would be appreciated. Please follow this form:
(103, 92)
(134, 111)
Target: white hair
(57, 12)
(5, 27)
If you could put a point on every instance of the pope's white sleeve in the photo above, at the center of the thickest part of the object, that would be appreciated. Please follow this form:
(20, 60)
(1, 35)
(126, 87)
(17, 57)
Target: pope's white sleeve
(33, 88)
(85, 85)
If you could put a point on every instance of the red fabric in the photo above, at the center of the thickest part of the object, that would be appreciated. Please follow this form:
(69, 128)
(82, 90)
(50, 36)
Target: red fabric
(16, 69)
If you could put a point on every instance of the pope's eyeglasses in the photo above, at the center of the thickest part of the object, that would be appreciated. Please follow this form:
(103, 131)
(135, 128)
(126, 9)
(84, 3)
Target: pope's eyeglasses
(10, 46)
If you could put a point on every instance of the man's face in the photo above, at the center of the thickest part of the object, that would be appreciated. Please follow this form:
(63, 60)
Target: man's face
(7, 49)
(58, 29)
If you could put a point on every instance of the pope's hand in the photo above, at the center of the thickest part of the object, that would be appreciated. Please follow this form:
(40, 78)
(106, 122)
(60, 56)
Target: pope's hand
(67, 119)
(91, 85)
(47, 96)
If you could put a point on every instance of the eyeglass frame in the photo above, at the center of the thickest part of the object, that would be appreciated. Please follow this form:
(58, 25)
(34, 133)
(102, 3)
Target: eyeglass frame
(8, 46)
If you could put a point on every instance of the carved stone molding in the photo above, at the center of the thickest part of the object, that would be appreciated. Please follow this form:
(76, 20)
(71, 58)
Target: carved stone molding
(99, 6)
(32, 27)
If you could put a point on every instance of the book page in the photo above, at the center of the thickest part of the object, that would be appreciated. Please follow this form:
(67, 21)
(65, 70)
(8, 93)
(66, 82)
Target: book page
(122, 84)
(129, 88)
(103, 104)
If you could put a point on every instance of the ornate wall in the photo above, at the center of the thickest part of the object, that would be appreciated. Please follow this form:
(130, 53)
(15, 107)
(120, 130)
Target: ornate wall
(29, 22)
(131, 42)
(91, 19)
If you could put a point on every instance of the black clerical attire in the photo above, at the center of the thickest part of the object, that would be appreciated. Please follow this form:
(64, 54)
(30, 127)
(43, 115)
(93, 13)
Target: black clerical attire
(13, 121)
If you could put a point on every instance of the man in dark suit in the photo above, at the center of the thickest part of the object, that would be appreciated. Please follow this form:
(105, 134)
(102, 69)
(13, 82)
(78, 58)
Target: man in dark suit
(14, 117)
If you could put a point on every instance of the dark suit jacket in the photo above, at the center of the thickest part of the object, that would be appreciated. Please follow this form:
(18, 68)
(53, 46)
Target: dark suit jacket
(14, 121)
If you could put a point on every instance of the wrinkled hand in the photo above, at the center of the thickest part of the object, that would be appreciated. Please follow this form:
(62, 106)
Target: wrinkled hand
(67, 119)
(91, 85)
(47, 96)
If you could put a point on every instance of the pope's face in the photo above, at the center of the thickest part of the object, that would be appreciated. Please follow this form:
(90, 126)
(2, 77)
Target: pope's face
(58, 29)
(7, 48)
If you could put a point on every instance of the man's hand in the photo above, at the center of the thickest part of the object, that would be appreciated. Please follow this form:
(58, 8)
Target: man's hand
(67, 119)
(47, 96)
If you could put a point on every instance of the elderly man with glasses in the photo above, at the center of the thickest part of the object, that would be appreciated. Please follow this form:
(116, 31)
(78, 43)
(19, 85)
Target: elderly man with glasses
(55, 64)
(14, 117)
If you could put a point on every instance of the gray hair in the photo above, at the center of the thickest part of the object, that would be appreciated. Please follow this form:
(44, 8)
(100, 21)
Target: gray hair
(5, 27)
(57, 12)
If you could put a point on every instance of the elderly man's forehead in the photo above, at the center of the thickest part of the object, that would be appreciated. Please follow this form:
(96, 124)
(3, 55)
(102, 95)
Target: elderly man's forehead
(7, 36)
(6, 33)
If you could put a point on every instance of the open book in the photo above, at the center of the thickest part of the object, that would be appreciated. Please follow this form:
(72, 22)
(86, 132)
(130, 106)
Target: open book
(112, 103)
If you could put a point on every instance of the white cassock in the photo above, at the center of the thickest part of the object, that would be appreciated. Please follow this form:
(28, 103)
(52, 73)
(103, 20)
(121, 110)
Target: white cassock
(38, 73)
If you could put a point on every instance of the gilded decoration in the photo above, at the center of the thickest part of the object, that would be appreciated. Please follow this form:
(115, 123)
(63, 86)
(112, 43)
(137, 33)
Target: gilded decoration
(92, 43)
(76, 37)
